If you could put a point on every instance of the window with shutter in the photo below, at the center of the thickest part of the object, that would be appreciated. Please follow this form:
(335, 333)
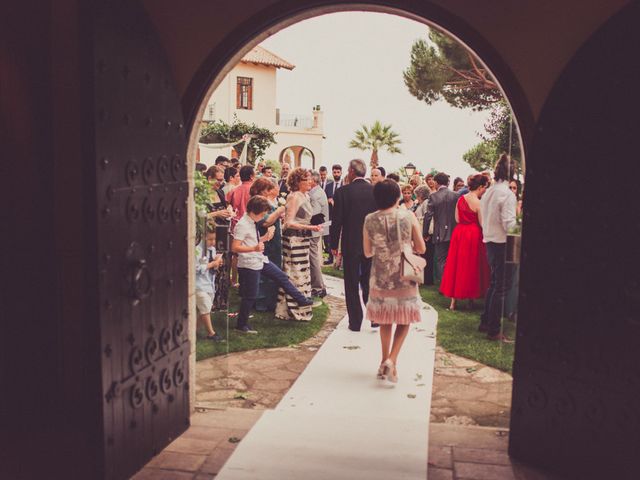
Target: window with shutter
(244, 93)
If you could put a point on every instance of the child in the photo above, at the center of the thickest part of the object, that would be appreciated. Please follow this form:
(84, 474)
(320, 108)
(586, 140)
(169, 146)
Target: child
(206, 264)
(249, 246)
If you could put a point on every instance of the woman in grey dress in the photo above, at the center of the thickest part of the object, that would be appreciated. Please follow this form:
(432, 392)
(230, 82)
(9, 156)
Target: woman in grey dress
(296, 236)
(392, 300)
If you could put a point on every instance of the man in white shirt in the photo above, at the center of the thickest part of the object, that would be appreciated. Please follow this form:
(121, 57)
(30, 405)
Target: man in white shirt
(252, 262)
(320, 214)
(498, 207)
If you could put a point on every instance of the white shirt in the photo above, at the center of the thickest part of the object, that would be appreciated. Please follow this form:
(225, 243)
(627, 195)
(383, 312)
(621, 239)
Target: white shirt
(498, 207)
(247, 233)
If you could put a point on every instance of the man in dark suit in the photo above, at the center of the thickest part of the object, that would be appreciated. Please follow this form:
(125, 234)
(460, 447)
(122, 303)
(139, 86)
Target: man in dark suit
(282, 183)
(351, 203)
(330, 189)
(441, 208)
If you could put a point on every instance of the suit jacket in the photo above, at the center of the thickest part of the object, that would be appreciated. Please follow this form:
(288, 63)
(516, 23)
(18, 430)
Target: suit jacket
(282, 184)
(328, 189)
(352, 203)
(442, 210)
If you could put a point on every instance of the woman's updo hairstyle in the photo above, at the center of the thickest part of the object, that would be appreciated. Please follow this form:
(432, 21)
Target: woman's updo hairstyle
(386, 193)
(296, 176)
(477, 181)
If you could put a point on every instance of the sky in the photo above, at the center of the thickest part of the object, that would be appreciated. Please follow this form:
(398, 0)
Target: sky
(351, 65)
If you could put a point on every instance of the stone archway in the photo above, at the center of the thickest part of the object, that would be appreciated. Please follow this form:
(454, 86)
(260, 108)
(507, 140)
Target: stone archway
(298, 156)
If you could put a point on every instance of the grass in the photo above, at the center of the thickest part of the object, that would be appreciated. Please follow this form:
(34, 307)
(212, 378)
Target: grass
(458, 330)
(334, 272)
(271, 331)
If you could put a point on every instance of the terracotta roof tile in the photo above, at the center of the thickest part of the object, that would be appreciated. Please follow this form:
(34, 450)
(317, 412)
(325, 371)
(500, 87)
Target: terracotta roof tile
(265, 57)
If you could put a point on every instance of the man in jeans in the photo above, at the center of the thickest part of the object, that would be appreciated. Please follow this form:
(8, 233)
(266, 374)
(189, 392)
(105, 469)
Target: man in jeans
(498, 208)
(252, 262)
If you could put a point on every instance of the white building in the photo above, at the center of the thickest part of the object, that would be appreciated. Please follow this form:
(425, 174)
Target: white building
(249, 92)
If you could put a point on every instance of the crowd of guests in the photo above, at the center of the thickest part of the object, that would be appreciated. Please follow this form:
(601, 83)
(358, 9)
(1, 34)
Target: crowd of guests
(379, 224)
(368, 226)
(271, 232)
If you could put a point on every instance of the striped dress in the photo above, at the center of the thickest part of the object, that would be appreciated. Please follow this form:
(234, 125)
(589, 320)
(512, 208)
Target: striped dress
(295, 263)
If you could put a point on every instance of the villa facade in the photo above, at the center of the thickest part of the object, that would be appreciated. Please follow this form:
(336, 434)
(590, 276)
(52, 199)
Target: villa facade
(248, 93)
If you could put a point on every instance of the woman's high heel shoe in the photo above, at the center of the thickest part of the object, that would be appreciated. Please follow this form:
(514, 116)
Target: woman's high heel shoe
(391, 373)
(382, 372)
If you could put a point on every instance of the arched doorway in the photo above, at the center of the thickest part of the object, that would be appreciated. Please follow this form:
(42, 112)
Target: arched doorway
(294, 154)
(70, 344)
(298, 156)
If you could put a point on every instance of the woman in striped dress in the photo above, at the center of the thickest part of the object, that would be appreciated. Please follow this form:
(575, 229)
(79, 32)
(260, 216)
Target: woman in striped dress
(296, 237)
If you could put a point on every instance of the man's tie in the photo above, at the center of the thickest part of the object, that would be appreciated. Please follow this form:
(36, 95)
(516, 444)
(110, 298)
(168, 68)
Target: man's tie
(210, 255)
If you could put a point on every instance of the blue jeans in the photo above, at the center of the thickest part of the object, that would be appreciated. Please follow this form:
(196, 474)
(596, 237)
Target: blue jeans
(498, 287)
(249, 282)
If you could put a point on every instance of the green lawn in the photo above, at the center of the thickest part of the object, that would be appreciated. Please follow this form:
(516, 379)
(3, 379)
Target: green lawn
(458, 330)
(334, 272)
(271, 331)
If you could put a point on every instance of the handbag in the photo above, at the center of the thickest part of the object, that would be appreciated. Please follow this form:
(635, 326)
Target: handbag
(411, 265)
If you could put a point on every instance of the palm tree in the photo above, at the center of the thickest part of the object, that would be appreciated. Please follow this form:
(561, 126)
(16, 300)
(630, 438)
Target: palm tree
(375, 138)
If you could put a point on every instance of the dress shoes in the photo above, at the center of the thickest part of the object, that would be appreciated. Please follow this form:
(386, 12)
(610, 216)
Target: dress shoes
(499, 338)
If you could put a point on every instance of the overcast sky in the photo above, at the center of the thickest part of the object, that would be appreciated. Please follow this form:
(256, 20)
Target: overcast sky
(351, 65)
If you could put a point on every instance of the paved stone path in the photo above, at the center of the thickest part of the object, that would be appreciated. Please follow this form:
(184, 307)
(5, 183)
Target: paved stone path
(258, 379)
(234, 390)
(466, 392)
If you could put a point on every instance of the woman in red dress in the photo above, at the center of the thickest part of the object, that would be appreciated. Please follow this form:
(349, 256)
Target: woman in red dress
(466, 273)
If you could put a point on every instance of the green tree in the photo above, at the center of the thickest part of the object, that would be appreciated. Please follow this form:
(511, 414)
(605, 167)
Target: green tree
(481, 157)
(447, 70)
(221, 132)
(376, 138)
(275, 165)
(500, 135)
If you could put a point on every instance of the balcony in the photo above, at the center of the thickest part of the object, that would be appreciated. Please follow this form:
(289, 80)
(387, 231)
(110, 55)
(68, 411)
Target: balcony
(294, 120)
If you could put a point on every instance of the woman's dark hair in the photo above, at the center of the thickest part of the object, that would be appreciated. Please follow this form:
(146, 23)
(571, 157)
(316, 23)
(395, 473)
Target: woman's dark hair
(477, 181)
(505, 168)
(457, 180)
(261, 186)
(201, 167)
(386, 193)
(246, 172)
(229, 173)
(258, 205)
(518, 186)
(221, 159)
(383, 172)
(295, 177)
(441, 179)
(393, 176)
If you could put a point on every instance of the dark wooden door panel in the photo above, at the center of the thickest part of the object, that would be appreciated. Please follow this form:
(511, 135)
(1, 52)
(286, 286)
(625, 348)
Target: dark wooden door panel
(140, 148)
(576, 374)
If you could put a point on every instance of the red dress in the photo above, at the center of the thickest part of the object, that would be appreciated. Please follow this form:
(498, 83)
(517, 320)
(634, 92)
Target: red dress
(466, 273)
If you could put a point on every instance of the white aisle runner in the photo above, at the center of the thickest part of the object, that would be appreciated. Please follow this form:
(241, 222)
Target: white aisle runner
(339, 422)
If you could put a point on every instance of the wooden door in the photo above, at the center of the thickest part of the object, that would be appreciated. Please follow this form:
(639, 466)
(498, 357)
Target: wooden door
(576, 372)
(140, 148)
